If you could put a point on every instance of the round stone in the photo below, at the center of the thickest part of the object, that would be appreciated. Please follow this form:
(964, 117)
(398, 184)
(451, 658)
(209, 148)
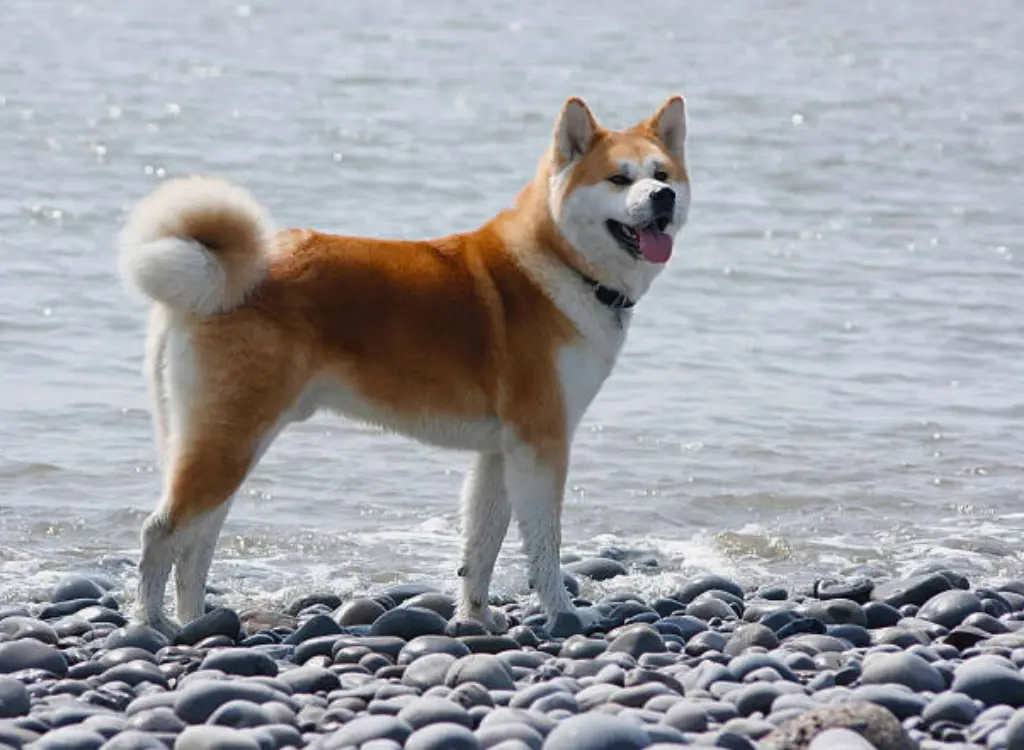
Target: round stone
(241, 661)
(323, 598)
(443, 736)
(431, 644)
(484, 669)
(316, 626)
(637, 639)
(597, 731)
(877, 725)
(903, 669)
(435, 601)
(494, 736)
(210, 737)
(950, 608)
(707, 607)
(408, 623)
(134, 739)
(14, 698)
(428, 671)
(855, 589)
(134, 673)
(433, 710)
(988, 681)
(955, 708)
(365, 728)
(137, 636)
(362, 611)
(197, 701)
(220, 621)
(756, 697)
(687, 716)
(77, 587)
(704, 583)
(839, 739)
(29, 653)
(310, 679)
(239, 714)
(28, 627)
(914, 590)
(157, 719)
(750, 634)
(597, 568)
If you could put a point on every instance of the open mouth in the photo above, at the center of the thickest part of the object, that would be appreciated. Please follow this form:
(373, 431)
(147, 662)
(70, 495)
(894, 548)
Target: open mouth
(648, 242)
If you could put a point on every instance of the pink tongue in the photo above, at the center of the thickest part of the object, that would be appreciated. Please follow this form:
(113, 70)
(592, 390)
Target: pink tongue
(655, 246)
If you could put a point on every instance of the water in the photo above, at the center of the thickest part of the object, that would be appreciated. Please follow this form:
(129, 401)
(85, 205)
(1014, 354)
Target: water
(827, 379)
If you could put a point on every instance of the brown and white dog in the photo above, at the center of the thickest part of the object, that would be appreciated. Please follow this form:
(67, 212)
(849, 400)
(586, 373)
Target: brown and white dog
(494, 340)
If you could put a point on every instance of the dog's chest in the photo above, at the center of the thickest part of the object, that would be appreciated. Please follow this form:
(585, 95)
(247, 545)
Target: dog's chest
(582, 370)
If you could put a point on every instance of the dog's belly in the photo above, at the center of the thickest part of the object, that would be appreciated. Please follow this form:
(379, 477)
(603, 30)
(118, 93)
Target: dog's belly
(482, 434)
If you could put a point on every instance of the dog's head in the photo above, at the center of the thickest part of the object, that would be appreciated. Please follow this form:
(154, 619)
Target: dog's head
(619, 197)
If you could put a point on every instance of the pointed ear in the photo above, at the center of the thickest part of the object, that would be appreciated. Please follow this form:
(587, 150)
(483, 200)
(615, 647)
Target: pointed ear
(574, 130)
(669, 124)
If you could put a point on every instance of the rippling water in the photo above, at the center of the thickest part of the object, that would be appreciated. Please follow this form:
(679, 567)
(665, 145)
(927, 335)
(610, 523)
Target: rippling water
(827, 379)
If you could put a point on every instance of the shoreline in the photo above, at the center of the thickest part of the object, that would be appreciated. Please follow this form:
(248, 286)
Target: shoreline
(934, 660)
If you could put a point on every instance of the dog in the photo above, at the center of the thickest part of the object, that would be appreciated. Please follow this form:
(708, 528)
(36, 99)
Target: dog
(494, 340)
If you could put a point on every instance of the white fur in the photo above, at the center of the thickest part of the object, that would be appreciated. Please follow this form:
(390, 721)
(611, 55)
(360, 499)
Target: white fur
(159, 256)
(485, 517)
(535, 493)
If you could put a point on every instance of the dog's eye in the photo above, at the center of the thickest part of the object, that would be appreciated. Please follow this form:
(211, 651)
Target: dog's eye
(661, 175)
(620, 179)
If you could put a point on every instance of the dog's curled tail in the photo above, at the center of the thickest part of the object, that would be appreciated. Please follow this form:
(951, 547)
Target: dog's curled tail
(196, 244)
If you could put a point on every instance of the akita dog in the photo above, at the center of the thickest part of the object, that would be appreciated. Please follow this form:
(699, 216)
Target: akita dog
(494, 340)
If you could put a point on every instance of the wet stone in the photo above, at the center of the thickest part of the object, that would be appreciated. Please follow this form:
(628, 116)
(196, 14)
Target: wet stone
(77, 587)
(316, 626)
(362, 611)
(597, 568)
(705, 583)
(29, 653)
(485, 669)
(138, 636)
(950, 608)
(408, 623)
(220, 621)
(28, 627)
(435, 601)
(904, 669)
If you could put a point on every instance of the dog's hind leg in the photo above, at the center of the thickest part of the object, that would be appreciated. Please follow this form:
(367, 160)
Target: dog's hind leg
(485, 518)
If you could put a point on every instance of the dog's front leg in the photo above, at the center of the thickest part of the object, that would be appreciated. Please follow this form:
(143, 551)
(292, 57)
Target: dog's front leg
(535, 481)
(485, 517)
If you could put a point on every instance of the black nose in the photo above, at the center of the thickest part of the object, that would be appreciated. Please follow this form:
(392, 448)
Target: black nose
(663, 202)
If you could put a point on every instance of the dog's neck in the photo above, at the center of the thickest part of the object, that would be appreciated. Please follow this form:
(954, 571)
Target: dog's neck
(532, 203)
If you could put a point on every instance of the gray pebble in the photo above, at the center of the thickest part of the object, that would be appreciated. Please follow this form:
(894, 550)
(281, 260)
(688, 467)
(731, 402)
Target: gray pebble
(687, 716)
(428, 671)
(950, 608)
(597, 731)
(904, 669)
(408, 623)
(990, 680)
(597, 568)
(244, 662)
(495, 735)
(637, 639)
(139, 636)
(220, 621)
(443, 736)
(209, 737)
(431, 644)
(14, 698)
(952, 707)
(198, 700)
(77, 587)
(28, 627)
(363, 611)
(484, 669)
(433, 710)
(31, 654)
(366, 728)
(133, 739)
(840, 739)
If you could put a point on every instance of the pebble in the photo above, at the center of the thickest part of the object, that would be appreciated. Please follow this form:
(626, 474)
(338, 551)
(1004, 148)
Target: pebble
(932, 658)
(597, 568)
(220, 621)
(408, 623)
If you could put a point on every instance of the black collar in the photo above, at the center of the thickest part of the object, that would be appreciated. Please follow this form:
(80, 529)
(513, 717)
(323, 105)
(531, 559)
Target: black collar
(613, 299)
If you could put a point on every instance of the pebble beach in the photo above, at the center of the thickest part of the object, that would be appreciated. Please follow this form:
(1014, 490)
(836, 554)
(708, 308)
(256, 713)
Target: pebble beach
(931, 660)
